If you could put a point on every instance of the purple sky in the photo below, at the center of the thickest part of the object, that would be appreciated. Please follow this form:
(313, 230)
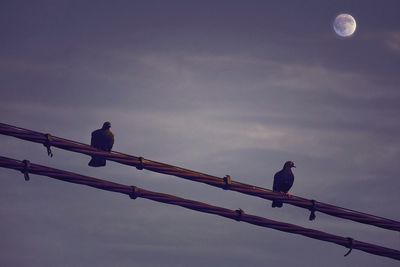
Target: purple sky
(221, 87)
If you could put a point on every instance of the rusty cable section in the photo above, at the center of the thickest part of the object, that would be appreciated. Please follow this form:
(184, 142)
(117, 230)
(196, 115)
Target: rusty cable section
(238, 215)
(224, 183)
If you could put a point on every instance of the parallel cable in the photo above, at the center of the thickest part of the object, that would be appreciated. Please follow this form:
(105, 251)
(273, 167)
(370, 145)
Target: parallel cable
(238, 215)
(225, 183)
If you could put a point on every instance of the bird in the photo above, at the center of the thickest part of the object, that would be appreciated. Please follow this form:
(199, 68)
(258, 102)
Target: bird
(283, 181)
(101, 139)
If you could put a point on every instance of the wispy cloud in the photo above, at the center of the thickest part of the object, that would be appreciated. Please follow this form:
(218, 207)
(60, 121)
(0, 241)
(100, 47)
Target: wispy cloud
(393, 42)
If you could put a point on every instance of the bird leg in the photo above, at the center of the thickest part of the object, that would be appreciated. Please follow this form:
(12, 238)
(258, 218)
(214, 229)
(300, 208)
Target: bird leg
(287, 194)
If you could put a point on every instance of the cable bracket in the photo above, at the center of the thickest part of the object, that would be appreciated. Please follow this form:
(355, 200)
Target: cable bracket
(140, 166)
(47, 144)
(134, 193)
(312, 209)
(227, 182)
(349, 245)
(25, 169)
(239, 214)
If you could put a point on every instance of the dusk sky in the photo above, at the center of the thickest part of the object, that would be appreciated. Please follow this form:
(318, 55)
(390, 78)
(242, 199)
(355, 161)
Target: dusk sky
(220, 87)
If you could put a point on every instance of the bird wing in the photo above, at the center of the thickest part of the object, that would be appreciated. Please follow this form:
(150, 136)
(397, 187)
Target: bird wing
(96, 139)
(283, 181)
(277, 186)
(108, 141)
(287, 181)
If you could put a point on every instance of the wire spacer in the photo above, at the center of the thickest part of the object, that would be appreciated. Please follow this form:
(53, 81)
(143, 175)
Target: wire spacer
(313, 209)
(349, 245)
(239, 214)
(25, 169)
(228, 181)
(47, 144)
(134, 193)
(140, 166)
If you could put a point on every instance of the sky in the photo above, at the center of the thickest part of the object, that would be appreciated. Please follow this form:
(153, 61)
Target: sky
(220, 87)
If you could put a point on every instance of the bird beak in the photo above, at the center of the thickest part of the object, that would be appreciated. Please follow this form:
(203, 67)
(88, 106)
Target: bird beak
(294, 166)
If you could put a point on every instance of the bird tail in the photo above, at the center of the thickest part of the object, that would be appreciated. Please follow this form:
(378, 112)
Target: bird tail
(277, 204)
(97, 162)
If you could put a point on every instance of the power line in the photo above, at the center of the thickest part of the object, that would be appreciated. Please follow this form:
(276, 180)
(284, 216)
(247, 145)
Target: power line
(134, 192)
(225, 183)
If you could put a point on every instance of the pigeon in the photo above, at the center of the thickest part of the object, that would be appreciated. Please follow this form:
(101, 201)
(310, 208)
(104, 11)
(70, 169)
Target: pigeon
(283, 181)
(101, 139)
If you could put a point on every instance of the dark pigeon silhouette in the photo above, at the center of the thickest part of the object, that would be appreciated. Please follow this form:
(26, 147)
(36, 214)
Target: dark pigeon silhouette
(283, 181)
(101, 139)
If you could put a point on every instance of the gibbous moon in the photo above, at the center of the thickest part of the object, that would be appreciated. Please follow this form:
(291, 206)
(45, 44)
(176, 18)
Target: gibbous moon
(344, 25)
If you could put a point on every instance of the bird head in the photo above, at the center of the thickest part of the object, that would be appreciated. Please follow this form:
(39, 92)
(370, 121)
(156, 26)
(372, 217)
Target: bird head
(289, 164)
(107, 125)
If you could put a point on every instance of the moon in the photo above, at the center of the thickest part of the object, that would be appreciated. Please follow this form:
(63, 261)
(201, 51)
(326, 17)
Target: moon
(344, 25)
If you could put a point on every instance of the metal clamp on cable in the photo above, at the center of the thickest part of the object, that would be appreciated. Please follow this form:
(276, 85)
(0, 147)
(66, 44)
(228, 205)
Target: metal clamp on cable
(47, 144)
(228, 181)
(313, 210)
(239, 213)
(349, 245)
(134, 193)
(25, 169)
(140, 166)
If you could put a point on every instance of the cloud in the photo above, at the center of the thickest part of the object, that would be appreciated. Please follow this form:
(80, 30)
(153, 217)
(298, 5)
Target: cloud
(226, 103)
(392, 41)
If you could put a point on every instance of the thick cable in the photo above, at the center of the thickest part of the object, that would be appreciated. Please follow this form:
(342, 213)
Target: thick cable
(238, 215)
(154, 166)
